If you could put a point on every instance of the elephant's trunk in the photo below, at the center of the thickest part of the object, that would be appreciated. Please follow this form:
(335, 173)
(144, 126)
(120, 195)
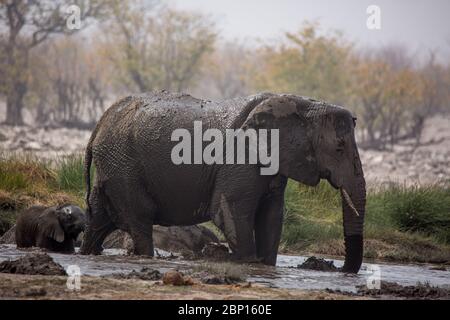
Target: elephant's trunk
(353, 216)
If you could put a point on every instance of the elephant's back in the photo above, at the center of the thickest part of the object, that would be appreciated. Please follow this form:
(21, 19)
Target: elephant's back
(139, 127)
(27, 225)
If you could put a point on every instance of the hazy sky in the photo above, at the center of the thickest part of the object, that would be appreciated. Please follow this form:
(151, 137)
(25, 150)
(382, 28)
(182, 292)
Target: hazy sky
(418, 24)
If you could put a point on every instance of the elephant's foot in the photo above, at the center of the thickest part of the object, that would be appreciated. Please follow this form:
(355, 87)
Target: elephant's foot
(249, 259)
(143, 242)
(94, 237)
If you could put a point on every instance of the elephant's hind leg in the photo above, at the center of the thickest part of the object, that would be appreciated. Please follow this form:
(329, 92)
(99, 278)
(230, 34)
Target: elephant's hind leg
(135, 211)
(99, 224)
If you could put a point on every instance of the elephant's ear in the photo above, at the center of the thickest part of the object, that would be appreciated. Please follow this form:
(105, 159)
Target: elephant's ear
(297, 158)
(49, 225)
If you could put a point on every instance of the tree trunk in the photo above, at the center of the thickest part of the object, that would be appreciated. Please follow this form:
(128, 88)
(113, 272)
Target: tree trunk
(14, 104)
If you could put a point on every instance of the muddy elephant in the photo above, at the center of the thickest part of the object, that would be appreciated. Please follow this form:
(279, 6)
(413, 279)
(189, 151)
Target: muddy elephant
(53, 228)
(138, 185)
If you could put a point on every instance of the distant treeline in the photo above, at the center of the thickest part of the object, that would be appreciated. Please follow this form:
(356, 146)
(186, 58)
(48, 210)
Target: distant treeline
(69, 77)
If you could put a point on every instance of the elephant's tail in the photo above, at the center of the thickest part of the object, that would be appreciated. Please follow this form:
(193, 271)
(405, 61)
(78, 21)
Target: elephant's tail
(87, 168)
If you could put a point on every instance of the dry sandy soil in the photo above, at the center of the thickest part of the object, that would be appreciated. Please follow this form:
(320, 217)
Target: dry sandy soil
(427, 163)
(14, 286)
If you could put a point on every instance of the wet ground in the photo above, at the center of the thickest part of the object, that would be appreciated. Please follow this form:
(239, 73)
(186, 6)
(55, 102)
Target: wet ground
(286, 275)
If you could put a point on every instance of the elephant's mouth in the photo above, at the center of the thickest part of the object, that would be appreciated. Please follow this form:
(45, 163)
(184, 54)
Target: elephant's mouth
(326, 174)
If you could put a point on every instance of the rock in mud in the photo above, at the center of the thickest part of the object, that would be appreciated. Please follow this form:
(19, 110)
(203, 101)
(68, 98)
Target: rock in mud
(178, 239)
(33, 264)
(176, 278)
(215, 251)
(145, 274)
(319, 264)
(184, 238)
(420, 291)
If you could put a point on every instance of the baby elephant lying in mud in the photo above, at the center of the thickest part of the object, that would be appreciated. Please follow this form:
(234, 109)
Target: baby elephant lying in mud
(53, 228)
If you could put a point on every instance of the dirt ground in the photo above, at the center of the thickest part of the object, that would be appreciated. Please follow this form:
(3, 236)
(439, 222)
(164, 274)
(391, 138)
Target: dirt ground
(15, 286)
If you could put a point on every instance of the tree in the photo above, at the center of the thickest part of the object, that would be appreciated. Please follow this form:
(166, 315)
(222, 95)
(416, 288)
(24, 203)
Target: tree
(229, 71)
(24, 25)
(157, 48)
(308, 64)
(69, 82)
(393, 97)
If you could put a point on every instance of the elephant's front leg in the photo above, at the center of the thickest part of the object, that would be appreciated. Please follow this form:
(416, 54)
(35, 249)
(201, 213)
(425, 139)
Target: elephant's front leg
(269, 221)
(235, 216)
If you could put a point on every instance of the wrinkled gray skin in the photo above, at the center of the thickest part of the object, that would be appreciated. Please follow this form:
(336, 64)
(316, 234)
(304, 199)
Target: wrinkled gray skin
(53, 228)
(137, 185)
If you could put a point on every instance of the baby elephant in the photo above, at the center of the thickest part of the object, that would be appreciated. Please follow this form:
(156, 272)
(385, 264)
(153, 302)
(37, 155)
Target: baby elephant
(54, 228)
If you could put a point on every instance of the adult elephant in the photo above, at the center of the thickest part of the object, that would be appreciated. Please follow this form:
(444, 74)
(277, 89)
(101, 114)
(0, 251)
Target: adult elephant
(137, 185)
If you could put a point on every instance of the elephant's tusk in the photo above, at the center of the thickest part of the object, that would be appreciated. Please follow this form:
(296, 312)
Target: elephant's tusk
(349, 201)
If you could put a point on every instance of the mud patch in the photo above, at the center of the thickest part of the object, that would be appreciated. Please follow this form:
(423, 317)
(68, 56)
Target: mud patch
(215, 279)
(319, 264)
(33, 264)
(144, 274)
(420, 291)
(395, 290)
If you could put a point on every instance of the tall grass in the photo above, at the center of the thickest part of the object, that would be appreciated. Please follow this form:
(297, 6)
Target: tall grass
(69, 173)
(422, 209)
(23, 172)
(311, 215)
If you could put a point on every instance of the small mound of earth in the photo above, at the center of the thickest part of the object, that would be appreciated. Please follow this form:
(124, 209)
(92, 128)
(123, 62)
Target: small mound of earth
(319, 264)
(145, 274)
(33, 264)
(176, 278)
(215, 251)
(420, 291)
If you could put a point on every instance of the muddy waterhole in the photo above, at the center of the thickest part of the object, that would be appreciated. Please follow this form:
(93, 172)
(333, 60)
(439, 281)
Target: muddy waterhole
(284, 275)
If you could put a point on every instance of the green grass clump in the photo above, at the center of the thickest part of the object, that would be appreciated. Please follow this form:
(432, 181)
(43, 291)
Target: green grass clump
(422, 209)
(19, 173)
(69, 173)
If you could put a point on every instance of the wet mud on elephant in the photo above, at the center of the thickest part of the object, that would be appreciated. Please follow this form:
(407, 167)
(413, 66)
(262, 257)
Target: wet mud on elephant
(137, 185)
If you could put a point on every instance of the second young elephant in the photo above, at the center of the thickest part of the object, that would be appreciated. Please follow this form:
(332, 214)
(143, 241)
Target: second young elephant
(137, 185)
(52, 228)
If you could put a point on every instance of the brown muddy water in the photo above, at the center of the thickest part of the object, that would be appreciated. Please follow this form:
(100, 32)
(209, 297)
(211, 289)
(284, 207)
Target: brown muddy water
(285, 275)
